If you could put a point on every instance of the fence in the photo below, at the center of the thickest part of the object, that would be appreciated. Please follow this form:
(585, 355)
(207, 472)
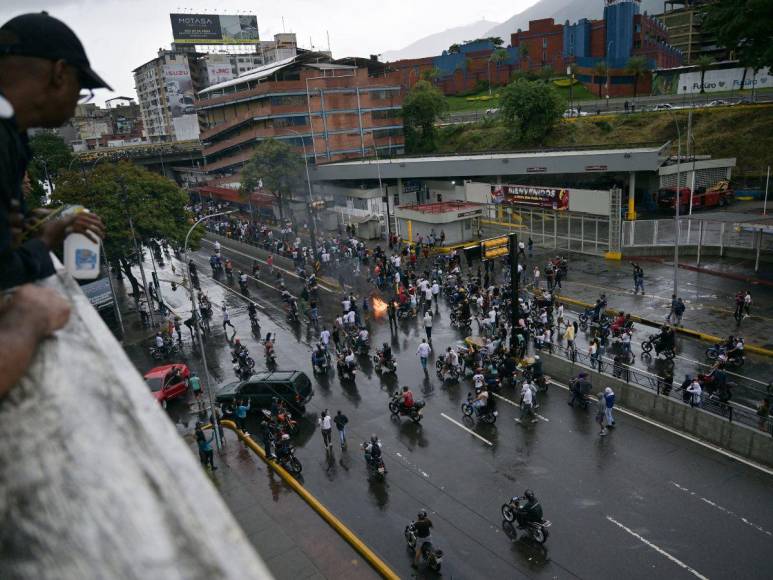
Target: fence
(561, 230)
(693, 232)
(664, 387)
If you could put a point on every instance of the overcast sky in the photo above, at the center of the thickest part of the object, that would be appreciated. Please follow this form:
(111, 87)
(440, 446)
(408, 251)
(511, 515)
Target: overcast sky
(120, 35)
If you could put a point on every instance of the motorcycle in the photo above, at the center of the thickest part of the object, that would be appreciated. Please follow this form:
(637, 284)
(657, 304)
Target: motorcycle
(376, 467)
(460, 323)
(321, 368)
(242, 372)
(537, 531)
(649, 344)
(487, 415)
(255, 326)
(243, 288)
(169, 348)
(397, 409)
(431, 555)
(362, 348)
(346, 372)
(447, 373)
(284, 421)
(381, 366)
(292, 316)
(285, 455)
(718, 350)
(243, 360)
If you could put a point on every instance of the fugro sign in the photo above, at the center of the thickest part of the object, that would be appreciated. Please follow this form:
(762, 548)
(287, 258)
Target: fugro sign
(723, 80)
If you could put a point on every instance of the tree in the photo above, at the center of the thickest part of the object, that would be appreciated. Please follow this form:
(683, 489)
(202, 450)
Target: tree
(546, 73)
(599, 72)
(636, 67)
(50, 155)
(277, 166)
(744, 27)
(704, 63)
(431, 75)
(122, 190)
(495, 40)
(498, 56)
(523, 53)
(422, 106)
(530, 109)
(455, 48)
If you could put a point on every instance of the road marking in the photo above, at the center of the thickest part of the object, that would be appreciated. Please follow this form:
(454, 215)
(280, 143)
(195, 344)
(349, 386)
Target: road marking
(288, 272)
(658, 549)
(470, 431)
(514, 404)
(722, 509)
(719, 450)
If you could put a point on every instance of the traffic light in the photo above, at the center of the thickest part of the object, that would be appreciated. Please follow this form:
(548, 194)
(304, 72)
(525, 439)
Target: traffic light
(494, 247)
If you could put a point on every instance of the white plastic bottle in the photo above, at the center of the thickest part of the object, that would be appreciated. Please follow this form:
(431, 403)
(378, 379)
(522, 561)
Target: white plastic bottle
(81, 256)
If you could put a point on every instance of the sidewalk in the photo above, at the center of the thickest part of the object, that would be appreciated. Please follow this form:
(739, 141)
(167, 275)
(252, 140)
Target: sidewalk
(294, 542)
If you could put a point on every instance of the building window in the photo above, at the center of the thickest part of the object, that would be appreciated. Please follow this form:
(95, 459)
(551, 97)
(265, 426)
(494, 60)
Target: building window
(544, 43)
(380, 95)
(638, 27)
(388, 114)
(288, 100)
(290, 121)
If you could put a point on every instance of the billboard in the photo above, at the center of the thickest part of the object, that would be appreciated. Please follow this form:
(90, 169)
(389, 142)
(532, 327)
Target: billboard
(180, 100)
(547, 197)
(668, 82)
(214, 28)
(219, 72)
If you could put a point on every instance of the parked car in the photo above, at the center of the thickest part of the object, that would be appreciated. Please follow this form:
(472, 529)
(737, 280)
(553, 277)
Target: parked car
(492, 111)
(569, 113)
(292, 387)
(717, 103)
(663, 107)
(168, 382)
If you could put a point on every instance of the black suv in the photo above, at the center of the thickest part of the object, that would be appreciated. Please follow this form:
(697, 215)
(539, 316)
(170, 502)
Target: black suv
(292, 387)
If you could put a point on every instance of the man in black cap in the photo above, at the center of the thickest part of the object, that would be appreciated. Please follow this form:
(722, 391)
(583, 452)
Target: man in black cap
(43, 69)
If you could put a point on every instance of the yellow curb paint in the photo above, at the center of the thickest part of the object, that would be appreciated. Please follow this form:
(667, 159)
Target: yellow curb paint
(369, 555)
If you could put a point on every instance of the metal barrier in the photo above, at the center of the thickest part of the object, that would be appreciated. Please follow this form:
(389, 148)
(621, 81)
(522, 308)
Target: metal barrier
(692, 232)
(601, 364)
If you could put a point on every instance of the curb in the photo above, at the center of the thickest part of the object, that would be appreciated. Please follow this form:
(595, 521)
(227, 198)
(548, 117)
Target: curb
(359, 546)
(686, 331)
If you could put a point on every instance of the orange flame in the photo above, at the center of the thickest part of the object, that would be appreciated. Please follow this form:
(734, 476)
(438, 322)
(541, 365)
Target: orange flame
(379, 307)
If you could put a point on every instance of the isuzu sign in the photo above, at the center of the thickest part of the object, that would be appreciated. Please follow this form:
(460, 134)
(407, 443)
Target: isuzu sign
(548, 197)
(214, 28)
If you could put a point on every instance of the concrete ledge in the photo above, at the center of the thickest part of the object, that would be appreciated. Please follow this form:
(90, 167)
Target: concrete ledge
(739, 439)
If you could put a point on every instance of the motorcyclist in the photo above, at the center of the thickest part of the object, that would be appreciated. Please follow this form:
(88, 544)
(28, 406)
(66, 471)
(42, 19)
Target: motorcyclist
(350, 360)
(362, 337)
(373, 450)
(423, 527)
(293, 308)
(736, 351)
(581, 386)
(318, 357)
(283, 446)
(451, 359)
(530, 511)
(214, 262)
(160, 344)
(619, 322)
(386, 354)
(253, 312)
(665, 340)
(407, 398)
(481, 400)
(242, 278)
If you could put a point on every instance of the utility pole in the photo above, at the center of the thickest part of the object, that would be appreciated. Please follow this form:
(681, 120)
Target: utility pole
(514, 310)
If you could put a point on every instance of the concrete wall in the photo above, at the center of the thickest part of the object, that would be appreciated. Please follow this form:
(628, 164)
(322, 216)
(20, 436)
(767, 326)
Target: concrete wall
(739, 439)
(456, 231)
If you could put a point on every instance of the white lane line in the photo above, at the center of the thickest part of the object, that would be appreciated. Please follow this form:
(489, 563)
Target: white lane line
(695, 440)
(288, 272)
(514, 404)
(404, 459)
(659, 550)
(722, 509)
(470, 431)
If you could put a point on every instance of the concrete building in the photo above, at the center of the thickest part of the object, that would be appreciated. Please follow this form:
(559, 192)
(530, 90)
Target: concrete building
(683, 19)
(119, 123)
(166, 86)
(328, 109)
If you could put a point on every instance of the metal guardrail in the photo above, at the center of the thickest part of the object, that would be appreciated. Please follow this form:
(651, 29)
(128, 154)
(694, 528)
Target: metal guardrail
(663, 387)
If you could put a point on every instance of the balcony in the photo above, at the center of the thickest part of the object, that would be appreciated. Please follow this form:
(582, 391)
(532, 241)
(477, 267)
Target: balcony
(96, 481)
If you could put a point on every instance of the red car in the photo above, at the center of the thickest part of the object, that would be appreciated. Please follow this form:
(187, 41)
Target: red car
(168, 382)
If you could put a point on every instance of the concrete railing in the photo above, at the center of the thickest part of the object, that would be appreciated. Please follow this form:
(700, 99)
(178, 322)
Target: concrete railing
(647, 396)
(95, 481)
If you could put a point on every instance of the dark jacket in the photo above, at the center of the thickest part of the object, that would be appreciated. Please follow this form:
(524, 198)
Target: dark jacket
(29, 261)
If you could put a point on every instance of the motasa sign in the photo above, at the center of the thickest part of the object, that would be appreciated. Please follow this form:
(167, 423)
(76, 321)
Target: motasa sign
(214, 28)
(547, 197)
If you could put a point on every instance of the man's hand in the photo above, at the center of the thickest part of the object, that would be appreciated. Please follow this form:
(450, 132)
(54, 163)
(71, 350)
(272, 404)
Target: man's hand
(42, 309)
(85, 223)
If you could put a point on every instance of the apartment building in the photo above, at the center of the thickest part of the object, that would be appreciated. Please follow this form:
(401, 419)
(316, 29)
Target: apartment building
(327, 109)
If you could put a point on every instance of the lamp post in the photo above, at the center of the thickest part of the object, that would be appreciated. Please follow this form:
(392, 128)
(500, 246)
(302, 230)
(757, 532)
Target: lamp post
(308, 186)
(677, 203)
(609, 45)
(194, 309)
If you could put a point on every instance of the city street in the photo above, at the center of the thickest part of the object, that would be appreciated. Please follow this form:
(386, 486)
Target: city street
(637, 503)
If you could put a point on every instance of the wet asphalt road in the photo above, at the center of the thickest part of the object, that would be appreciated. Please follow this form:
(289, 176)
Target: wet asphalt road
(638, 503)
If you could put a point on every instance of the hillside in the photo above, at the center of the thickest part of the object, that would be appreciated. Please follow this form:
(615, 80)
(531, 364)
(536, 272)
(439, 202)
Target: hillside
(436, 43)
(745, 133)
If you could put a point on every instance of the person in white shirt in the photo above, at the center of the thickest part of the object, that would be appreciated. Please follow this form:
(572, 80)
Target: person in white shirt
(325, 423)
(324, 336)
(428, 325)
(696, 399)
(350, 318)
(478, 379)
(346, 303)
(527, 402)
(363, 336)
(423, 352)
(435, 292)
(427, 297)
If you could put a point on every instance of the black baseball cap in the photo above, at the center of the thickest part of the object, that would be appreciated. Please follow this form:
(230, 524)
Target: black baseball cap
(43, 36)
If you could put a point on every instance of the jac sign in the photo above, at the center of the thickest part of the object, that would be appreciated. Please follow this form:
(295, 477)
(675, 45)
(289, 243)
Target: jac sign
(723, 80)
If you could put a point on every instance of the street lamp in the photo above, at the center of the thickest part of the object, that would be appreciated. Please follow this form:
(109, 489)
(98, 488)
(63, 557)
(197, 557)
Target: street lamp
(198, 328)
(677, 202)
(609, 45)
(308, 185)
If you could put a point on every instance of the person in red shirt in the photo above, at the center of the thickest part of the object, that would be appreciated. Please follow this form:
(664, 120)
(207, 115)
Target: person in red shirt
(407, 398)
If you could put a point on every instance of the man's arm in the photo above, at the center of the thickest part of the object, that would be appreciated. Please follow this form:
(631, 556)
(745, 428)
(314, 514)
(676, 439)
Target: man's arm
(31, 315)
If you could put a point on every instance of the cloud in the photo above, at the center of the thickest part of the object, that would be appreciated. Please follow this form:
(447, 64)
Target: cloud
(16, 7)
